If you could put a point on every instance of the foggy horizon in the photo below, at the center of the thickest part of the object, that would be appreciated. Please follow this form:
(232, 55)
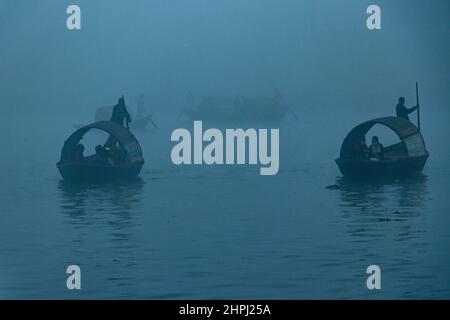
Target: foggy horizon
(185, 230)
(319, 54)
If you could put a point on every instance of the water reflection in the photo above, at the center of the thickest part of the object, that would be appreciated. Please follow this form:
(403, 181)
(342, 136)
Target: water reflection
(369, 205)
(103, 221)
(108, 204)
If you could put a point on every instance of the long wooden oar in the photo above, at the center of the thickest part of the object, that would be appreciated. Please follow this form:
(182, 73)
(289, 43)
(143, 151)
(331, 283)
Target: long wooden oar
(418, 105)
(292, 111)
(152, 121)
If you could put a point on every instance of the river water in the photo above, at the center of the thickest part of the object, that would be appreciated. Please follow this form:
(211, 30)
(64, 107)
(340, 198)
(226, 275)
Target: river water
(222, 232)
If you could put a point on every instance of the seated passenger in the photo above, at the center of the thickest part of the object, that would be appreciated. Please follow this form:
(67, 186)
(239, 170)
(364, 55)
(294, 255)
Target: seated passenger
(119, 154)
(376, 149)
(78, 153)
(102, 156)
(360, 149)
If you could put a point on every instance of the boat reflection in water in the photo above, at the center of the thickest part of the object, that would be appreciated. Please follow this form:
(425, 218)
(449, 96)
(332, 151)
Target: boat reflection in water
(102, 221)
(110, 206)
(384, 207)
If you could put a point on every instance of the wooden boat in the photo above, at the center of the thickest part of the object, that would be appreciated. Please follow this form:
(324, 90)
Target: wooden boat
(104, 114)
(138, 123)
(131, 161)
(404, 158)
(236, 109)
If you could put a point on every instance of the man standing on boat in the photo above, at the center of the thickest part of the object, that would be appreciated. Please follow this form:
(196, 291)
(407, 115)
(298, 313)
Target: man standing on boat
(402, 111)
(140, 110)
(120, 113)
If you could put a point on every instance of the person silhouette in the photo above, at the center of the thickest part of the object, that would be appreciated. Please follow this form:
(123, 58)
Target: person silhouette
(120, 113)
(376, 149)
(402, 111)
(140, 110)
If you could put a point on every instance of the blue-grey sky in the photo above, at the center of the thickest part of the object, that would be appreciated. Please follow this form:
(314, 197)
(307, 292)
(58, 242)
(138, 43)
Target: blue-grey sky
(318, 53)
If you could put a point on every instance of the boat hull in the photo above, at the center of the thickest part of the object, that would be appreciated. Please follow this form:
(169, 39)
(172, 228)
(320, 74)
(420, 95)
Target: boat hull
(74, 171)
(381, 168)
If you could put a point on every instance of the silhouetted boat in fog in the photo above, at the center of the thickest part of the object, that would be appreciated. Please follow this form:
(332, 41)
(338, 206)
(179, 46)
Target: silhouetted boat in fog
(104, 114)
(404, 158)
(87, 168)
(237, 109)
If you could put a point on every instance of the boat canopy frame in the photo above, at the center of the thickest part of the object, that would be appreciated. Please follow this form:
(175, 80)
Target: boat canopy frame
(123, 136)
(410, 136)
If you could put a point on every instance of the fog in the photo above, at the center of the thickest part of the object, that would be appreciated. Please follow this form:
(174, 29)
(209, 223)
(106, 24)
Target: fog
(330, 69)
(319, 54)
(222, 231)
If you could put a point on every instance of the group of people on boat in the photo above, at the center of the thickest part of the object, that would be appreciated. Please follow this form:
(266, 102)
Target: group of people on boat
(103, 155)
(376, 150)
(111, 153)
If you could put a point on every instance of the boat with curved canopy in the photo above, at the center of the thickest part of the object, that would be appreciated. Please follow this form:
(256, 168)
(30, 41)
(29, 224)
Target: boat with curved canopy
(128, 165)
(403, 158)
(223, 109)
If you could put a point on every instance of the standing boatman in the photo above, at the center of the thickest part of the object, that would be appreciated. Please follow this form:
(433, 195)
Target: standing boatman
(402, 111)
(120, 113)
(140, 110)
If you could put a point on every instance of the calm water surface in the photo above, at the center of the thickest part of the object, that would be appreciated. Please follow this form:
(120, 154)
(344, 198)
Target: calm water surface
(216, 232)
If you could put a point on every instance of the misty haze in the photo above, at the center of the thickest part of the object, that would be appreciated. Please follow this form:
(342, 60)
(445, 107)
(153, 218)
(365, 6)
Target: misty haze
(223, 231)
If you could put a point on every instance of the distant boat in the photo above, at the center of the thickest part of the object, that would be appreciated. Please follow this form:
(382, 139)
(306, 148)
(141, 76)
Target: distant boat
(237, 109)
(138, 123)
(88, 169)
(404, 158)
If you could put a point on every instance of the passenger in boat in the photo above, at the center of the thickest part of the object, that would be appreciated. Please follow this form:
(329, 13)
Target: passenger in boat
(360, 149)
(74, 153)
(402, 111)
(376, 149)
(78, 153)
(117, 154)
(103, 157)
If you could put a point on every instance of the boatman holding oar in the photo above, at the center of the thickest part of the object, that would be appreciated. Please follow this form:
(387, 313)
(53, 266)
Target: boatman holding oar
(402, 111)
(120, 113)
